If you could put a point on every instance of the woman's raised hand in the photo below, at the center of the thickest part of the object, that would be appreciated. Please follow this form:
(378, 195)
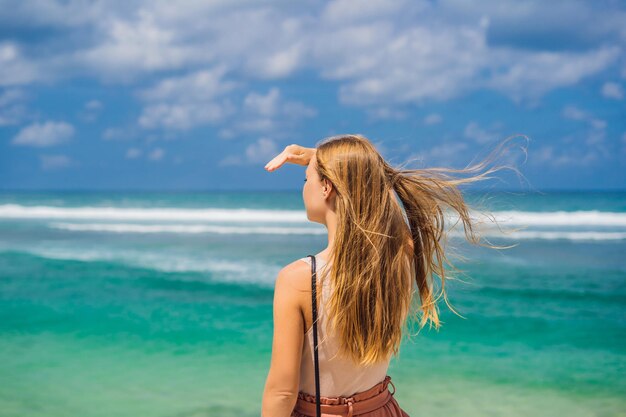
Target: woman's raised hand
(294, 154)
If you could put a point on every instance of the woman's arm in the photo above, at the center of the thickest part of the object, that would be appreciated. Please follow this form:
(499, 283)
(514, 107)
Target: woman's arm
(294, 154)
(283, 380)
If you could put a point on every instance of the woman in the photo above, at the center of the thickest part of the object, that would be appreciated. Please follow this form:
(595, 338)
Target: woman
(365, 298)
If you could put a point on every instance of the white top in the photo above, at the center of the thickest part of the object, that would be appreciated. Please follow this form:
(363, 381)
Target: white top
(339, 376)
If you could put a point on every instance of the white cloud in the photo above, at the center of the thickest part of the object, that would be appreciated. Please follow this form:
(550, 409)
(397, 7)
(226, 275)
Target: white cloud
(382, 54)
(10, 96)
(279, 64)
(196, 86)
(527, 75)
(135, 46)
(533, 25)
(593, 137)
(344, 11)
(385, 113)
(156, 154)
(481, 135)
(612, 90)
(154, 36)
(184, 115)
(433, 119)
(93, 105)
(117, 133)
(231, 160)
(46, 134)
(574, 113)
(560, 156)
(133, 153)
(187, 101)
(12, 109)
(54, 162)
(297, 110)
(14, 68)
(445, 154)
(226, 133)
(259, 152)
(56, 14)
(380, 65)
(91, 110)
(269, 113)
(198, 99)
(262, 105)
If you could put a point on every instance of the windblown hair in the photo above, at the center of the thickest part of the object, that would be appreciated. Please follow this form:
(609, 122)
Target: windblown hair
(377, 254)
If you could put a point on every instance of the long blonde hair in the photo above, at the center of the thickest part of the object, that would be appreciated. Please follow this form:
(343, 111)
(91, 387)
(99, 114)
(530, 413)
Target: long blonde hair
(374, 261)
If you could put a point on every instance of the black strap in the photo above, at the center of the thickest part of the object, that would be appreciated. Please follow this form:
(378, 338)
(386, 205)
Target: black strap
(314, 308)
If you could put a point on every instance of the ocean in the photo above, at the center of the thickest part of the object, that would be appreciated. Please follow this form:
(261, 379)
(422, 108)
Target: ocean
(160, 304)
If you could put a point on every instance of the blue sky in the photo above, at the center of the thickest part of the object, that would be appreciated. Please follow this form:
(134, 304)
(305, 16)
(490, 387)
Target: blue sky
(200, 95)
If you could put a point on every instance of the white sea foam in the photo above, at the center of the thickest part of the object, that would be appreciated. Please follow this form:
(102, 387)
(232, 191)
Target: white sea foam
(235, 271)
(550, 235)
(561, 218)
(513, 218)
(185, 228)
(199, 228)
(15, 211)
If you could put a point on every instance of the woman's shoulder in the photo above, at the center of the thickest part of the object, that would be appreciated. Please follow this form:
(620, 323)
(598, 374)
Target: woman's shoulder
(296, 275)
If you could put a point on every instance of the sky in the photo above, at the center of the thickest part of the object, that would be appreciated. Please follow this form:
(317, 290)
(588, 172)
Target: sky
(200, 95)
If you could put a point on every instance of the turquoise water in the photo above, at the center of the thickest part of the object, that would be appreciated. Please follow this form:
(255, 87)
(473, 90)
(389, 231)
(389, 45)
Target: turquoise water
(150, 304)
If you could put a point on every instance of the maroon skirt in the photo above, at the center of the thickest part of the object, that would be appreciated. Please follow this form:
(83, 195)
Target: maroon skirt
(377, 401)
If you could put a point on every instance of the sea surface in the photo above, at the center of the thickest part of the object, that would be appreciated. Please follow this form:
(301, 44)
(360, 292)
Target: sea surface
(160, 304)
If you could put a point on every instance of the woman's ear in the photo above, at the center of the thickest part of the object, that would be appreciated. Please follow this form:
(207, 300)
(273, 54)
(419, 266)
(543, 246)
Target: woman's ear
(328, 186)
